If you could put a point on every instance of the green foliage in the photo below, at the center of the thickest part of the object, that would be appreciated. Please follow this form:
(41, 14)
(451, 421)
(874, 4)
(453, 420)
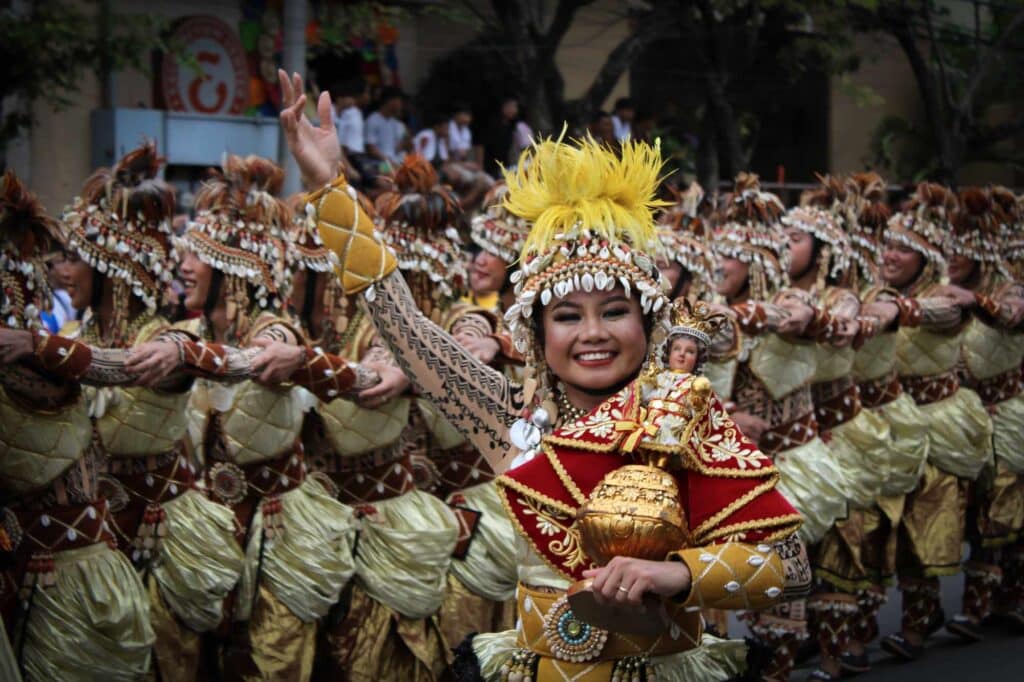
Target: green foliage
(902, 150)
(46, 50)
(342, 24)
(968, 61)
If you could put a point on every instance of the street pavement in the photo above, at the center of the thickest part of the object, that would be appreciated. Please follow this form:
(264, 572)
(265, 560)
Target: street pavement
(998, 658)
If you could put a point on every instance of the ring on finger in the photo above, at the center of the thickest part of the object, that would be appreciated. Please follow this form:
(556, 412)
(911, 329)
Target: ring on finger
(623, 589)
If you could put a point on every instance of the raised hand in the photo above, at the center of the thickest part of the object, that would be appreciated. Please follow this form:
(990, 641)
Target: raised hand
(316, 150)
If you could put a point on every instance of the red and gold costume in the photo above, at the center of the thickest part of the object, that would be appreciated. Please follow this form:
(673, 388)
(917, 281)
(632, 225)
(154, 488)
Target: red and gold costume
(728, 486)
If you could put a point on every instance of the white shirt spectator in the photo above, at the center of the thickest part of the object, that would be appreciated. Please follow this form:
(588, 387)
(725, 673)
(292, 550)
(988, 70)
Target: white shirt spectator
(349, 124)
(623, 129)
(427, 145)
(460, 138)
(386, 134)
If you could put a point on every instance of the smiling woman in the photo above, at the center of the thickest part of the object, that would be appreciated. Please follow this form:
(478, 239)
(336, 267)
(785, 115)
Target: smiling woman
(594, 342)
(587, 302)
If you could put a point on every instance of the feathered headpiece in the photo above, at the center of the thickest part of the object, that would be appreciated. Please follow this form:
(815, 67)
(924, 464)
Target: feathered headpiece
(685, 239)
(975, 233)
(593, 230)
(750, 232)
(240, 230)
(27, 236)
(593, 225)
(121, 226)
(923, 225)
(1009, 210)
(496, 230)
(419, 221)
(867, 200)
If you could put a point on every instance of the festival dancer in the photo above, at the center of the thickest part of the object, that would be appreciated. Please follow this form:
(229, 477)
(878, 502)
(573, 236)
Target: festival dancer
(1009, 602)
(992, 356)
(690, 265)
(118, 241)
(372, 452)
(297, 539)
(770, 359)
(581, 362)
(77, 609)
(820, 262)
(864, 214)
(959, 429)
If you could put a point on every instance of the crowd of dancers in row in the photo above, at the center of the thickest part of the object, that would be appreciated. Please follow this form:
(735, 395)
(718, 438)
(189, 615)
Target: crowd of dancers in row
(342, 464)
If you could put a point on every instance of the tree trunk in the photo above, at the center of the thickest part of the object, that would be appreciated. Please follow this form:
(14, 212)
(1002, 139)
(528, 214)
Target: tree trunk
(724, 119)
(707, 153)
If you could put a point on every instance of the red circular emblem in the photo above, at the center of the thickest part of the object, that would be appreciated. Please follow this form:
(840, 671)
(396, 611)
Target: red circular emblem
(221, 83)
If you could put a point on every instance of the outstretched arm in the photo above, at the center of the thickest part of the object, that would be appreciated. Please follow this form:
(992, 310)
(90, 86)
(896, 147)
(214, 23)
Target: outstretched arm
(479, 401)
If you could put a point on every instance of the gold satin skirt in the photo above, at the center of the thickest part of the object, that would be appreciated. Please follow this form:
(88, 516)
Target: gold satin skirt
(464, 612)
(857, 552)
(94, 624)
(177, 649)
(405, 551)
(274, 644)
(813, 482)
(908, 449)
(932, 525)
(199, 560)
(1008, 440)
(999, 505)
(960, 432)
(307, 565)
(861, 447)
(374, 643)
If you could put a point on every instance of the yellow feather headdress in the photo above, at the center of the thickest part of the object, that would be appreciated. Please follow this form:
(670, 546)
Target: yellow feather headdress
(593, 226)
(562, 188)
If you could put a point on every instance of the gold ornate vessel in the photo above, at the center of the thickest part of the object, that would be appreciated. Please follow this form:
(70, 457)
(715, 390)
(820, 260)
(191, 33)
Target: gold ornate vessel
(634, 511)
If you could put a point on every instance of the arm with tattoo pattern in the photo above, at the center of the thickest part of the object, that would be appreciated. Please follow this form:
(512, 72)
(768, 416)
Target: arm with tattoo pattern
(479, 401)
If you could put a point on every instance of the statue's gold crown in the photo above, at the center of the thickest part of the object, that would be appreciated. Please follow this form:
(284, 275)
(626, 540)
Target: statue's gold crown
(697, 321)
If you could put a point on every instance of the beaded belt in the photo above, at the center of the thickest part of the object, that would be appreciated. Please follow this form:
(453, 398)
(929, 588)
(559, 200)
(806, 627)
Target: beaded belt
(230, 484)
(136, 499)
(881, 391)
(1000, 387)
(37, 536)
(549, 629)
(789, 435)
(376, 483)
(462, 467)
(932, 388)
(838, 408)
